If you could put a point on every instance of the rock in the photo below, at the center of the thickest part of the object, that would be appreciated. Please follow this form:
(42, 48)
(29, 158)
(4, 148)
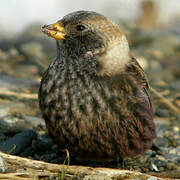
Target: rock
(153, 167)
(16, 84)
(12, 125)
(18, 143)
(171, 157)
(175, 85)
(162, 142)
(34, 122)
(171, 166)
(162, 113)
(159, 163)
(2, 137)
(41, 146)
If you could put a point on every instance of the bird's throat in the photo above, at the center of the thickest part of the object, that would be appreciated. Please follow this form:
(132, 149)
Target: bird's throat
(115, 58)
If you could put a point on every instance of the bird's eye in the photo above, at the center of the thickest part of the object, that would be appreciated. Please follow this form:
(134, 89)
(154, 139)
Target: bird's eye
(80, 27)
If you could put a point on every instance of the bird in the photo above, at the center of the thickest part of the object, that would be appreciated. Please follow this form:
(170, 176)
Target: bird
(94, 96)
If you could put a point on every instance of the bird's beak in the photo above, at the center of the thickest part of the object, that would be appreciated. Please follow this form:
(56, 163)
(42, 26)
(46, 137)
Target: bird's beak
(55, 31)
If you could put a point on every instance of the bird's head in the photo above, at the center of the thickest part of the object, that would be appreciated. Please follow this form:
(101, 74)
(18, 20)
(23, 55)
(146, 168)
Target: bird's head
(87, 33)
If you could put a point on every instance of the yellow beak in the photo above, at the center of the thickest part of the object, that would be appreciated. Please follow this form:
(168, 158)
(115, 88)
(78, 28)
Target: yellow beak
(55, 31)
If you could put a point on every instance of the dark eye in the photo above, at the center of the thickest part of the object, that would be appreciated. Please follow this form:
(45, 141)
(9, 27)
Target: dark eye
(80, 27)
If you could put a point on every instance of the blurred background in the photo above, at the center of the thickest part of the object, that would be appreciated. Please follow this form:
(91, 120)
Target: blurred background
(152, 28)
(161, 12)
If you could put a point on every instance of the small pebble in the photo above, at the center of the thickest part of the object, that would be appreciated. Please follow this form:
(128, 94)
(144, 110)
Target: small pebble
(153, 167)
(152, 178)
(171, 166)
(34, 122)
(2, 165)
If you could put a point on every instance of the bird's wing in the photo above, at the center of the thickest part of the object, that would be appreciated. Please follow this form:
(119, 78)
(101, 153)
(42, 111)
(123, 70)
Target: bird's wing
(138, 70)
(146, 127)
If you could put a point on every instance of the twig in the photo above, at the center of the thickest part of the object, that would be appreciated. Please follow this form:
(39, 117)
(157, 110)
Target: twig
(165, 101)
(14, 176)
(16, 163)
(169, 174)
(18, 94)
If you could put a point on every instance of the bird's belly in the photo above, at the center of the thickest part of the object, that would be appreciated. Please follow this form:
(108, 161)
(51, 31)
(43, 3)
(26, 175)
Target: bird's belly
(94, 120)
(95, 126)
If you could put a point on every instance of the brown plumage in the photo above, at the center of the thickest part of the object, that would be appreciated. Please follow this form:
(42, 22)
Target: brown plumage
(94, 95)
